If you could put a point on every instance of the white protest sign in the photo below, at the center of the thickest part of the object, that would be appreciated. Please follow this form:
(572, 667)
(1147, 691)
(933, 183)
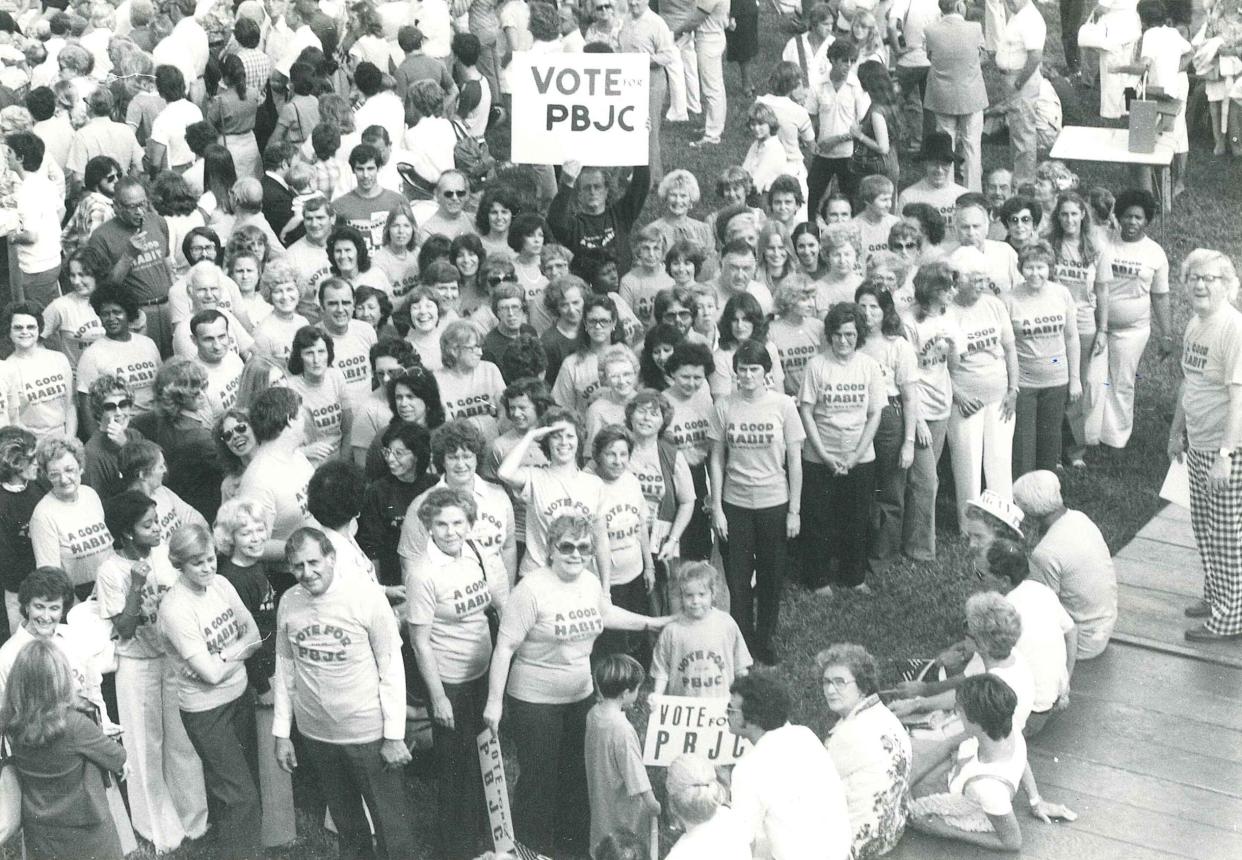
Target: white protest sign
(591, 108)
(495, 790)
(681, 725)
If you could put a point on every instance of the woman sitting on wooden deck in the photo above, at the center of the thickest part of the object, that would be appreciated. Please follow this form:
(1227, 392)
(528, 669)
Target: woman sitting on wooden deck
(983, 774)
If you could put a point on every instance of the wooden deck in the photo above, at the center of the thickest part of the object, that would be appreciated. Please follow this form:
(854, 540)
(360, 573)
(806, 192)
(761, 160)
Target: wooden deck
(1150, 751)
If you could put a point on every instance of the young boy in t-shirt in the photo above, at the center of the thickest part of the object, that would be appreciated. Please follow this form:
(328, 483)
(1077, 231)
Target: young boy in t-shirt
(702, 651)
(617, 784)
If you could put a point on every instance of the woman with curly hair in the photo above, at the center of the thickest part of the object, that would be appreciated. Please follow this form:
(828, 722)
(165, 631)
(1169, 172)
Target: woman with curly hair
(796, 333)
(67, 527)
(349, 257)
(869, 746)
(273, 335)
(497, 207)
(679, 194)
(182, 430)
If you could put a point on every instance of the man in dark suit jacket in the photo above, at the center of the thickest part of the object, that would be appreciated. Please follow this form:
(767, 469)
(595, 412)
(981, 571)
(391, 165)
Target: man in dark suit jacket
(277, 196)
(956, 95)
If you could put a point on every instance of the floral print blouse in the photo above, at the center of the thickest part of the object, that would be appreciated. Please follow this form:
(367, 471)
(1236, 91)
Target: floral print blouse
(871, 750)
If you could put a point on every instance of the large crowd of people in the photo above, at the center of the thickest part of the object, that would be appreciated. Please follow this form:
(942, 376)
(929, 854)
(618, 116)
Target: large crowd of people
(318, 424)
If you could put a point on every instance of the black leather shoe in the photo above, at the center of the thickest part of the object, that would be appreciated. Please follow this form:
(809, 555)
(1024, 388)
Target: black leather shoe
(1201, 609)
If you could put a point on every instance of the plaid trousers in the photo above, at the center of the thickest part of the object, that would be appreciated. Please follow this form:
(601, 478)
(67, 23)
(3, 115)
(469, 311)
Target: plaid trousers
(1216, 519)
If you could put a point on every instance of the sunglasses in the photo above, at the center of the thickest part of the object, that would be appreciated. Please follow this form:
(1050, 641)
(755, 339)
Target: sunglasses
(454, 195)
(1020, 219)
(569, 547)
(239, 429)
(677, 315)
(112, 177)
(497, 280)
(905, 246)
(120, 404)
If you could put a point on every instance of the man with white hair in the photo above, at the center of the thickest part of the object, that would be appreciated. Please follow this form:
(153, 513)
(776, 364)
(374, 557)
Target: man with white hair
(971, 221)
(207, 287)
(1207, 433)
(1071, 558)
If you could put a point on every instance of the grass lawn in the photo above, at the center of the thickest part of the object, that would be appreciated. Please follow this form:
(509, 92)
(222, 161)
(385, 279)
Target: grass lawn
(917, 608)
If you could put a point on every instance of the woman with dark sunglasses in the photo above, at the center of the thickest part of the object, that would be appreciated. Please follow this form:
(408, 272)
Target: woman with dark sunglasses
(541, 676)
(235, 446)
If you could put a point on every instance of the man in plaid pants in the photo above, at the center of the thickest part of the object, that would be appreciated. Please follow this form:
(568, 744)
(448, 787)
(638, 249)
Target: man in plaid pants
(1207, 430)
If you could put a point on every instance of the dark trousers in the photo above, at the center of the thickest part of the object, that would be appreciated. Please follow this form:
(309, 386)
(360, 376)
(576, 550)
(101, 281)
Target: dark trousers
(1037, 429)
(696, 540)
(550, 805)
(1071, 19)
(836, 513)
(227, 742)
(632, 596)
(914, 79)
(348, 776)
(461, 812)
(819, 177)
(757, 546)
(888, 513)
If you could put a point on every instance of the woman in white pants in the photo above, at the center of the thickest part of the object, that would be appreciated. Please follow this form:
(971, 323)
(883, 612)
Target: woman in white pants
(985, 385)
(1138, 292)
(167, 800)
(1084, 266)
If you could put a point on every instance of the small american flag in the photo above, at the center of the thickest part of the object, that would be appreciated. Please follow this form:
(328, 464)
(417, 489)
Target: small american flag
(525, 853)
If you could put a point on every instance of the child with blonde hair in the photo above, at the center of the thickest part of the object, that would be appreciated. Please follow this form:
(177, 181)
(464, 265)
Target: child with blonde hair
(701, 651)
(696, 801)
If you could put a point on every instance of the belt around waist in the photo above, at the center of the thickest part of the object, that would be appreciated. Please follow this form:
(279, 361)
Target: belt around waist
(154, 303)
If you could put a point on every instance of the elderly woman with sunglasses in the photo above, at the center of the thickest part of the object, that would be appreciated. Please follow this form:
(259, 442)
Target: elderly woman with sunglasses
(111, 407)
(540, 679)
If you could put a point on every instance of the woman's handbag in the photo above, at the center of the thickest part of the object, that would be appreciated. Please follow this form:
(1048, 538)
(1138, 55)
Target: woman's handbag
(1094, 35)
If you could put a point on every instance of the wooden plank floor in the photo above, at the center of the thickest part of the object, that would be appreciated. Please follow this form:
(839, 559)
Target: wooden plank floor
(1158, 576)
(1150, 756)
(1150, 751)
